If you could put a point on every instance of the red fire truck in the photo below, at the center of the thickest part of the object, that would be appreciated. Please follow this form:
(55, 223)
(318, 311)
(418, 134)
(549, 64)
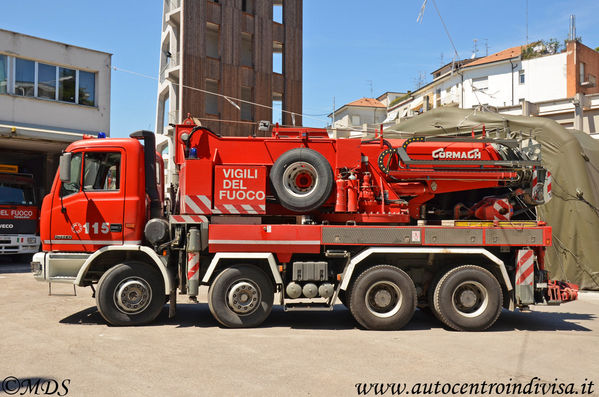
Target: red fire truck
(18, 214)
(383, 225)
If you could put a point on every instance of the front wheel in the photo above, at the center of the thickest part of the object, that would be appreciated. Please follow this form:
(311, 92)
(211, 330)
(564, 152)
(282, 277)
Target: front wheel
(468, 298)
(241, 297)
(130, 294)
(383, 298)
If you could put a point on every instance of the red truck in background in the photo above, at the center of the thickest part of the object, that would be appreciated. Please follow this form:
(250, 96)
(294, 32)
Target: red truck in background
(383, 225)
(19, 217)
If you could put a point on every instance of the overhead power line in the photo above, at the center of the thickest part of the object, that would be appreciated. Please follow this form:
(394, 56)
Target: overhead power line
(230, 99)
(421, 15)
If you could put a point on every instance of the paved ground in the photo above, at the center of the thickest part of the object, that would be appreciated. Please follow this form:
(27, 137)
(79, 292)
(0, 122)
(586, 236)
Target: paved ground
(293, 354)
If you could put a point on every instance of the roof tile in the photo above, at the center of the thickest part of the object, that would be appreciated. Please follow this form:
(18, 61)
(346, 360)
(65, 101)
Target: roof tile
(499, 56)
(367, 102)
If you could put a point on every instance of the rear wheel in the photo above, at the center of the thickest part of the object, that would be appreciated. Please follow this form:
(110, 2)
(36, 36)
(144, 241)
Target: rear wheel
(241, 297)
(382, 298)
(130, 294)
(468, 298)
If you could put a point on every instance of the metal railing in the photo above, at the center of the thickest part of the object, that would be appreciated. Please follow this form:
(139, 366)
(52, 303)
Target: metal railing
(171, 5)
(171, 61)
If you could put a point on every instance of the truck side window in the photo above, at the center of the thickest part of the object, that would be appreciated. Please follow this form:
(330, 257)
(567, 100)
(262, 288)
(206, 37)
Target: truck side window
(102, 171)
(73, 185)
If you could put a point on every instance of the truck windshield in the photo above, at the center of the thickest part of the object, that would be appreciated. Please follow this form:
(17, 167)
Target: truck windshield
(16, 189)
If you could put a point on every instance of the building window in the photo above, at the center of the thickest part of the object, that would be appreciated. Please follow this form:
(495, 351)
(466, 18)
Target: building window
(211, 100)
(277, 11)
(66, 84)
(24, 77)
(87, 88)
(46, 81)
(247, 6)
(212, 41)
(355, 120)
(277, 57)
(40, 80)
(522, 77)
(581, 77)
(480, 83)
(3, 74)
(246, 108)
(246, 50)
(277, 108)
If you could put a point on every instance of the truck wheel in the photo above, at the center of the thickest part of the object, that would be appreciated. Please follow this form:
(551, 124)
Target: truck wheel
(383, 297)
(302, 179)
(468, 298)
(131, 293)
(241, 297)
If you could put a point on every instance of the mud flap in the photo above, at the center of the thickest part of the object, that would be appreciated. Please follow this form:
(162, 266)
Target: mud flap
(525, 277)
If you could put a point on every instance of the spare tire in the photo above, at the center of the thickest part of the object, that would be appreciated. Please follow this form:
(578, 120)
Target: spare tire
(302, 179)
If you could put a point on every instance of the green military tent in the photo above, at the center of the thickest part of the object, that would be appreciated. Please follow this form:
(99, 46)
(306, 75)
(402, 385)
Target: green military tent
(573, 160)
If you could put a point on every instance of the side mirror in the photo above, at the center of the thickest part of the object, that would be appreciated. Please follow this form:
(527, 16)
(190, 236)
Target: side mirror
(65, 167)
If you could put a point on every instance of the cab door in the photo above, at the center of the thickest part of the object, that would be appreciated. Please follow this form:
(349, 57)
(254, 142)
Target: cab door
(88, 211)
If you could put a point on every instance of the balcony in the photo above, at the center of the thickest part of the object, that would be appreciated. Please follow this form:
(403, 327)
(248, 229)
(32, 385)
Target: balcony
(170, 69)
(172, 12)
(173, 117)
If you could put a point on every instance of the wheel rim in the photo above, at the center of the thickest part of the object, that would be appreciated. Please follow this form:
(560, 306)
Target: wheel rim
(132, 295)
(244, 297)
(383, 299)
(470, 299)
(300, 179)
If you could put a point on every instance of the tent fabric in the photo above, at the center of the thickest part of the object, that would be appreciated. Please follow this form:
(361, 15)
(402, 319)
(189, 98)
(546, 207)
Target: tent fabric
(571, 156)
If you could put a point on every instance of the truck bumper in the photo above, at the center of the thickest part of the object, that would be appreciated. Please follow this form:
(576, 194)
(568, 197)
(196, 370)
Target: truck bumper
(38, 266)
(57, 267)
(11, 244)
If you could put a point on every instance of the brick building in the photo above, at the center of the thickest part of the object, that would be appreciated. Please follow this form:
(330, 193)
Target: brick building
(245, 49)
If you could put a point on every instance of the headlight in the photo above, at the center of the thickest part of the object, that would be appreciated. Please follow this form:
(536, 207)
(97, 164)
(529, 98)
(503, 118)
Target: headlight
(36, 268)
(31, 240)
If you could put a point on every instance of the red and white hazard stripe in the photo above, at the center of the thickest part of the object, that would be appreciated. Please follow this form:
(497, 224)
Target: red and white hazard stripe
(200, 204)
(193, 266)
(548, 180)
(499, 206)
(188, 219)
(525, 267)
(546, 192)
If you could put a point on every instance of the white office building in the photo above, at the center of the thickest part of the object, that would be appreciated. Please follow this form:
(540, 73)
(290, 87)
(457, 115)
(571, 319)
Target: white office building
(51, 94)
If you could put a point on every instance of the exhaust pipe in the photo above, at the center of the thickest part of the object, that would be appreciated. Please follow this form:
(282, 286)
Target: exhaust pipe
(150, 168)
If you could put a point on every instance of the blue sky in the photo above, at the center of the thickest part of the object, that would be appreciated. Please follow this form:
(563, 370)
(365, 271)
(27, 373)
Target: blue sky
(349, 45)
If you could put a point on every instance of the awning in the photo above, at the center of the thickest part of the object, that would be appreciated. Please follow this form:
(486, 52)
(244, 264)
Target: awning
(391, 116)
